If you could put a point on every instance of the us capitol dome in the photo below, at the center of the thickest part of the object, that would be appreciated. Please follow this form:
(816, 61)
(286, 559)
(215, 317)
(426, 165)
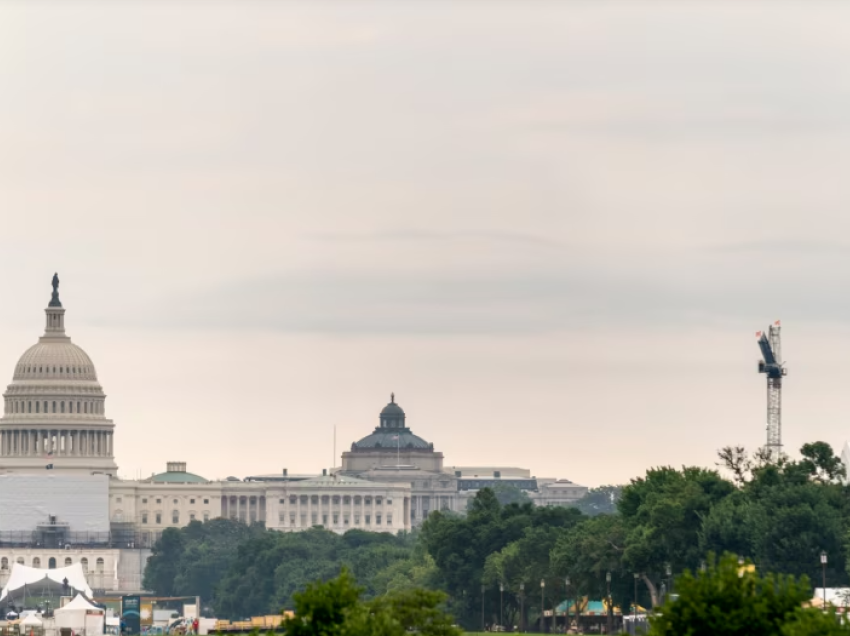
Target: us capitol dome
(54, 408)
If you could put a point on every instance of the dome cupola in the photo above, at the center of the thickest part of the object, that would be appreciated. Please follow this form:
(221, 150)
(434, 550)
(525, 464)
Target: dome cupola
(54, 407)
(392, 433)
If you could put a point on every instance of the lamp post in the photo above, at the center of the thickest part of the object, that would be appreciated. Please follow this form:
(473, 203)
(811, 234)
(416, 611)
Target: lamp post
(610, 610)
(501, 605)
(567, 605)
(634, 611)
(669, 572)
(542, 605)
(522, 606)
(823, 571)
(482, 607)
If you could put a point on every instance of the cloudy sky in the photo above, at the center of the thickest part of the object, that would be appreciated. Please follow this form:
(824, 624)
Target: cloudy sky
(552, 228)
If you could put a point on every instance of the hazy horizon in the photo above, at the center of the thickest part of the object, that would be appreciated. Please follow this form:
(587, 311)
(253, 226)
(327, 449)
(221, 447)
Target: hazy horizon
(551, 229)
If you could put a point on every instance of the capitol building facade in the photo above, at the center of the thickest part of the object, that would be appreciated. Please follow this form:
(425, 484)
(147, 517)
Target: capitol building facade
(62, 502)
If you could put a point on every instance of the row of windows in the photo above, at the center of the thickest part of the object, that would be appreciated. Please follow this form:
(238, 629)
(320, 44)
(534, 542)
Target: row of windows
(346, 500)
(62, 370)
(176, 502)
(51, 563)
(175, 517)
(82, 407)
(346, 520)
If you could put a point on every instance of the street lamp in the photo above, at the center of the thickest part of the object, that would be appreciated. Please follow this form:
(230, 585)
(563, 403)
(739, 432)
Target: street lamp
(634, 613)
(542, 605)
(522, 606)
(823, 569)
(501, 605)
(610, 611)
(482, 607)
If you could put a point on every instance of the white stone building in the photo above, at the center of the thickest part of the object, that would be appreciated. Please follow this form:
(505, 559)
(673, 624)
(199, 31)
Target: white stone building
(54, 431)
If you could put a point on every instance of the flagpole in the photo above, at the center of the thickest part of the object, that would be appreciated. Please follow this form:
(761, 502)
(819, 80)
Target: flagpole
(398, 450)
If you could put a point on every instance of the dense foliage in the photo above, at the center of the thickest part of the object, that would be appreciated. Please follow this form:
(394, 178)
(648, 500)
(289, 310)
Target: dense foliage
(336, 608)
(728, 600)
(779, 514)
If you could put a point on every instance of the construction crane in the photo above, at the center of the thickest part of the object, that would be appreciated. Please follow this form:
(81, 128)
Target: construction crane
(773, 367)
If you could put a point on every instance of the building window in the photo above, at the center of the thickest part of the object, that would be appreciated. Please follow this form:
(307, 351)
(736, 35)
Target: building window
(303, 521)
(4, 563)
(175, 502)
(68, 561)
(313, 519)
(54, 407)
(84, 562)
(336, 500)
(37, 404)
(51, 563)
(357, 500)
(144, 500)
(389, 501)
(368, 520)
(144, 517)
(356, 520)
(191, 516)
(377, 520)
(206, 501)
(345, 520)
(314, 499)
(206, 516)
(175, 517)
(303, 500)
(191, 501)
(118, 500)
(281, 517)
(367, 501)
(158, 518)
(378, 501)
(36, 562)
(99, 566)
(281, 502)
(159, 501)
(389, 520)
(324, 520)
(336, 520)
(325, 500)
(29, 407)
(62, 406)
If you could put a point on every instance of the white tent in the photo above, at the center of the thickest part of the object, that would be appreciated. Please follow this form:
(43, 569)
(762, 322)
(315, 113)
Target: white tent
(23, 577)
(81, 616)
(31, 621)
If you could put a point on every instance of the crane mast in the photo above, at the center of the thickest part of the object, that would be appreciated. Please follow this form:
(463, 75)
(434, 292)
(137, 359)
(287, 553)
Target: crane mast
(772, 366)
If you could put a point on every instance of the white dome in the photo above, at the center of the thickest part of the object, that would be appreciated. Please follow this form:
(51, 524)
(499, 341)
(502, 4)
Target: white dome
(56, 360)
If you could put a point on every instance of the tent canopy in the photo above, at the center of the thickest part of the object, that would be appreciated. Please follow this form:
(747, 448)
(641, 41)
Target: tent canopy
(79, 602)
(34, 580)
(31, 620)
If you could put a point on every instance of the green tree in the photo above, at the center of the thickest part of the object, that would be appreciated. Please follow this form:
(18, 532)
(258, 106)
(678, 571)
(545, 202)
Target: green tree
(726, 601)
(663, 514)
(163, 566)
(508, 494)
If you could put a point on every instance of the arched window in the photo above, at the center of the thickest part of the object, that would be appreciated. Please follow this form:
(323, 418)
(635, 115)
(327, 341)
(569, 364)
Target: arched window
(99, 565)
(175, 517)
(36, 562)
(4, 563)
(68, 561)
(20, 560)
(84, 563)
(51, 563)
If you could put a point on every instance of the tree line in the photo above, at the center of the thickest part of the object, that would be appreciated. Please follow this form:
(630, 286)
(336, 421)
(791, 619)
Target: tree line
(778, 513)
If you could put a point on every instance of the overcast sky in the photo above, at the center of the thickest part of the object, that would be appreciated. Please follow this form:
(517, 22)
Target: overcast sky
(552, 228)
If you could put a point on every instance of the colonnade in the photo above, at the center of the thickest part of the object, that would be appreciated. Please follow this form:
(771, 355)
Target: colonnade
(56, 442)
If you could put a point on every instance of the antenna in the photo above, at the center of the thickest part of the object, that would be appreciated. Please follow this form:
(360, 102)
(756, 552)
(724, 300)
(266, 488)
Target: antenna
(772, 366)
(333, 461)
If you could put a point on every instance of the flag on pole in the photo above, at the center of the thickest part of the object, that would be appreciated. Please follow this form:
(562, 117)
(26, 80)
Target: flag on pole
(776, 323)
(758, 334)
(395, 437)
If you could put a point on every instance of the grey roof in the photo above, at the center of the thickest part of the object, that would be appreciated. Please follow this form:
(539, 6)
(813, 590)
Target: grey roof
(341, 481)
(384, 438)
(392, 409)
